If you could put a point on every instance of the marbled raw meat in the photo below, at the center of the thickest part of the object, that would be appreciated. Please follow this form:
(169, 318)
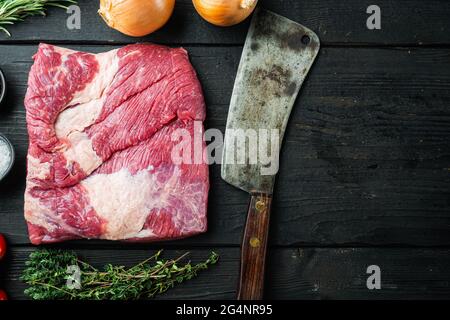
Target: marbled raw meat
(100, 140)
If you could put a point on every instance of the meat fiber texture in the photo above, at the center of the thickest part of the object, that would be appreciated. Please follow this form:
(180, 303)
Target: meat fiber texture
(100, 141)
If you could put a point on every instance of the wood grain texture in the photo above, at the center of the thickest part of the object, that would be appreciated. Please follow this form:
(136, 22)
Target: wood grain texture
(293, 273)
(341, 273)
(254, 247)
(415, 22)
(365, 160)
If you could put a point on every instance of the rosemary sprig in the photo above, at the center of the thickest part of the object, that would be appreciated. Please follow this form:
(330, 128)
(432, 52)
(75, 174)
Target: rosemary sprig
(46, 274)
(12, 11)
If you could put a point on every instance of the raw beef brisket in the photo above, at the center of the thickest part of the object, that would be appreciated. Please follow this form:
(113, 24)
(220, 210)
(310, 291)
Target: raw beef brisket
(100, 151)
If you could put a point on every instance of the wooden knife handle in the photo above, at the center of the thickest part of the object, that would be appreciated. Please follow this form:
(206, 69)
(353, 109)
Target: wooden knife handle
(253, 250)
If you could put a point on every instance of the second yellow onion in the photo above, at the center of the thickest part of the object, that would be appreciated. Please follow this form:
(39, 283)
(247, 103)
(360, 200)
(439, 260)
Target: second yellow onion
(136, 18)
(225, 13)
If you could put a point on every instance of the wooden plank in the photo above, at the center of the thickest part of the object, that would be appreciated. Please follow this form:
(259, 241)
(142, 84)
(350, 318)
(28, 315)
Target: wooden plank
(365, 160)
(292, 273)
(336, 22)
(341, 273)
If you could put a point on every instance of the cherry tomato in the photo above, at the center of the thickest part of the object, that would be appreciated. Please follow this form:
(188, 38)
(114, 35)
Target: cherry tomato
(3, 295)
(2, 246)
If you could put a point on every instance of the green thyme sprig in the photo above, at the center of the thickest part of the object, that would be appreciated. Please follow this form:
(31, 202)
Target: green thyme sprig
(12, 11)
(46, 274)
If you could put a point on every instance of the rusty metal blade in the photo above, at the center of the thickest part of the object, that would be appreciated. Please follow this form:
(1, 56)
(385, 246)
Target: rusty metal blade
(277, 56)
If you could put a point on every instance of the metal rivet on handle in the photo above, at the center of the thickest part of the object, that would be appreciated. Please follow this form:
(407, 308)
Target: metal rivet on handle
(260, 206)
(254, 242)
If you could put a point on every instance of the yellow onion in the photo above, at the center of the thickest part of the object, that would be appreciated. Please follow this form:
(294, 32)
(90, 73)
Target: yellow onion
(136, 18)
(224, 13)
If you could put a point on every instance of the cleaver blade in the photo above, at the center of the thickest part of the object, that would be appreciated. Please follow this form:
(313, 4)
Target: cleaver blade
(277, 56)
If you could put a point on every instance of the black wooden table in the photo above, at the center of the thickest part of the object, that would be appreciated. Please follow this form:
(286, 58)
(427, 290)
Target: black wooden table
(365, 167)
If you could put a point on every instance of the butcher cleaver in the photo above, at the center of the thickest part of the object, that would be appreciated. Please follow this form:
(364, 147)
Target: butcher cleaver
(277, 56)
